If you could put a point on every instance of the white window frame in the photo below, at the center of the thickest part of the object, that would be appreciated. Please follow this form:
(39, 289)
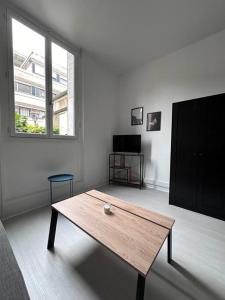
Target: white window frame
(49, 38)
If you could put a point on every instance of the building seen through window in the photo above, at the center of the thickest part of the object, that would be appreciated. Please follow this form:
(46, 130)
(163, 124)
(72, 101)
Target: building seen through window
(30, 83)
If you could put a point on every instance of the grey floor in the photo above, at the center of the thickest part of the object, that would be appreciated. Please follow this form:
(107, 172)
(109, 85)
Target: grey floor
(81, 269)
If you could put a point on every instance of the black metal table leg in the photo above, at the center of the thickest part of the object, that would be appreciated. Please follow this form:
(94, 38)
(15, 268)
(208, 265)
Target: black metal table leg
(52, 230)
(169, 250)
(140, 287)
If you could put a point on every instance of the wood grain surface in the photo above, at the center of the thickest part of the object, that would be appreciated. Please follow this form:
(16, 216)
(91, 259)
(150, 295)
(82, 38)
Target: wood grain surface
(136, 210)
(134, 239)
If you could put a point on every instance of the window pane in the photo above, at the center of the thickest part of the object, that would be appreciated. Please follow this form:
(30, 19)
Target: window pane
(29, 79)
(62, 90)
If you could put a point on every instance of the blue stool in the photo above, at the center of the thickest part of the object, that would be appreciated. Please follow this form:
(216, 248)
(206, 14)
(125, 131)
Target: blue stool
(61, 178)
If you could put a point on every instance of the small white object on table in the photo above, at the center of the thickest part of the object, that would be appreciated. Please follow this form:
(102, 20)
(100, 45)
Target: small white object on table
(107, 208)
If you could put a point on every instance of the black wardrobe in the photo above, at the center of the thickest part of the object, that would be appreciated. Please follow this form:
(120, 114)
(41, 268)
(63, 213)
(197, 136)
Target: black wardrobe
(197, 175)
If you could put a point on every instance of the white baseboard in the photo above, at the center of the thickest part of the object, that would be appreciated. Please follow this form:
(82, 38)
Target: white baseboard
(156, 184)
(26, 203)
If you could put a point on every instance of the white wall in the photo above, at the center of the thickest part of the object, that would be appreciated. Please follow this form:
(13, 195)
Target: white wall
(100, 121)
(25, 164)
(195, 71)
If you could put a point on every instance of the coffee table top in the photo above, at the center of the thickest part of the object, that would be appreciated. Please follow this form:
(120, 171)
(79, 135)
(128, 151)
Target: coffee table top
(133, 233)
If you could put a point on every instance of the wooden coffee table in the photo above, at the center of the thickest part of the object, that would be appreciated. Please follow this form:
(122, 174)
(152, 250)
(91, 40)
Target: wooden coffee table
(134, 234)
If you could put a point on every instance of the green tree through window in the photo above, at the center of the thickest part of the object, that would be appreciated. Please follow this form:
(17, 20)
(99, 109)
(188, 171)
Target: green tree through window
(23, 126)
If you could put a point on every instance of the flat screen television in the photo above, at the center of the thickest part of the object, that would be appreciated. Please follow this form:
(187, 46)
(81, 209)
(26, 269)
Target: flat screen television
(127, 143)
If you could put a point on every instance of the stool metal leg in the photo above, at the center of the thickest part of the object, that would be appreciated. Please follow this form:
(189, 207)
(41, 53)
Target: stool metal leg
(71, 188)
(51, 192)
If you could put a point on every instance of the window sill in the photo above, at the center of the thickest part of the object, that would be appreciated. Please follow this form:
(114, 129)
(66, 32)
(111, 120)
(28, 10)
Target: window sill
(43, 136)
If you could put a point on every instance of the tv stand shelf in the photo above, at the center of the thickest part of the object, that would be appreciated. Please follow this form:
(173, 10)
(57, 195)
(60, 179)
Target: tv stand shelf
(120, 168)
(126, 168)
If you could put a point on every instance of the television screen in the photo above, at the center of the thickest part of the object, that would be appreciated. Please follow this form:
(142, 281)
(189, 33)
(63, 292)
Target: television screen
(127, 143)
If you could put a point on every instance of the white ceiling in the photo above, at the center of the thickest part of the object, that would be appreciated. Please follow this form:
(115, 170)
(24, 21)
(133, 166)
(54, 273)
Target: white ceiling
(126, 33)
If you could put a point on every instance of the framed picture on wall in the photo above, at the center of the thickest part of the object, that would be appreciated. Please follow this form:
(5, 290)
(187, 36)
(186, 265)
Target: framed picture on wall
(153, 121)
(137, 116)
